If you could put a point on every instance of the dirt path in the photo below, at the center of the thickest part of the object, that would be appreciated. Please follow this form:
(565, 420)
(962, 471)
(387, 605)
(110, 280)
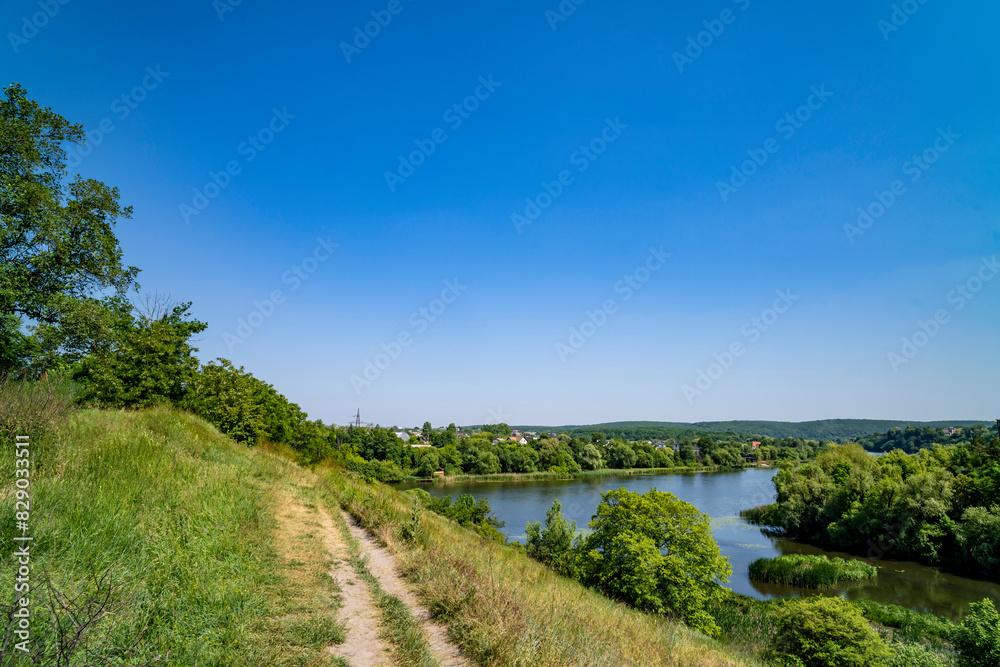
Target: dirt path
(383, 567)
(363, 647)
(301, 521)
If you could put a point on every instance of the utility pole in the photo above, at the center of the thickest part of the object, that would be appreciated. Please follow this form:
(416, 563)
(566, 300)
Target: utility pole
(357, 419)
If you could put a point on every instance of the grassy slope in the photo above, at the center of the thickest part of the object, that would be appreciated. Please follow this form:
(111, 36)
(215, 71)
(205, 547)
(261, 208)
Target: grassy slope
(181, 520)
(187, 526)
(504, 608)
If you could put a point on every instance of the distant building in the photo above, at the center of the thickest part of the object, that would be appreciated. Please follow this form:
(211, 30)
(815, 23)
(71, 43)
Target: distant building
(755, 444)
(403, 435)
(659, 444)
(518, 439)
(952, 430)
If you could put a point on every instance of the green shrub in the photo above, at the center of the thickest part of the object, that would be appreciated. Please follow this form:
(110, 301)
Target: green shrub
(825, 632)
(810, 571)
(977, 639)
(914, 655)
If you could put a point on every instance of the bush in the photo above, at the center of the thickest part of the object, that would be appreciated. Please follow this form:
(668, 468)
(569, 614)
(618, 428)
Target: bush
(810, 571)
(826, 632)
(977, 639)
(914, 655)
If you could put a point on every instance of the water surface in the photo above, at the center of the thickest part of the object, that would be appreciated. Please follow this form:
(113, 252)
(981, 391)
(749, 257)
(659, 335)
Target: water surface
(722, 496)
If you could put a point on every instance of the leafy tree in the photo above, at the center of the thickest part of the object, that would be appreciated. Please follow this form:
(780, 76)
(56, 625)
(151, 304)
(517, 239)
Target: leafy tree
(621, 455)
(58, 250)
(554, 545)
(501, 430)
(229, 398)
(147, 361)
(656, 552)
(826, 632)
(427, 432)
(977, 639)
(591, 458)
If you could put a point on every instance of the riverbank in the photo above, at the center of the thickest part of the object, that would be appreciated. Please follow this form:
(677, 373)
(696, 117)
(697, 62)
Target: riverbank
(536, 476)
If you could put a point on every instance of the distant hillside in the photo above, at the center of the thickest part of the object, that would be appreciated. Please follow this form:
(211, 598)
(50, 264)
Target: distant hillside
(823, 429)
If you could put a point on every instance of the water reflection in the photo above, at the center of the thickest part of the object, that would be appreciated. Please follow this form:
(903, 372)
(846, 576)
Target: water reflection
(722, 496)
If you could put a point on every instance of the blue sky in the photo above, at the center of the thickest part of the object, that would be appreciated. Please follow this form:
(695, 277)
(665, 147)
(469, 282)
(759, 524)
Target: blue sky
(641, 138)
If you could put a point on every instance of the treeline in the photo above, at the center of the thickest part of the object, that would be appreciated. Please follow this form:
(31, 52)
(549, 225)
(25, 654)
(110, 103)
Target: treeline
(377, 453)
(837, 430)
(940, 506)
(914, 438)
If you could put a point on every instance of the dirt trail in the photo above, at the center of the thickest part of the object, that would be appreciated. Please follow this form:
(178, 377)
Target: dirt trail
(383, 567)
(362, 647)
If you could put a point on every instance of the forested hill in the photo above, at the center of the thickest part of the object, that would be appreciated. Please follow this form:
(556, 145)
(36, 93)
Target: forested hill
(823, 429)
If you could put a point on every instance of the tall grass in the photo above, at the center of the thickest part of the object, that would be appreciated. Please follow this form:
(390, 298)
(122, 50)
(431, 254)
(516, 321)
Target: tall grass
(810, 571)
(175, 521)
(503, 608)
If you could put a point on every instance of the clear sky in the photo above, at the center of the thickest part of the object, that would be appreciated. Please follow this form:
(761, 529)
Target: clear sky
(358, 193)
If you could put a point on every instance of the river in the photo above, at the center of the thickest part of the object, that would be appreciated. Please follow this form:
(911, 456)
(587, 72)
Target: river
(722, 495)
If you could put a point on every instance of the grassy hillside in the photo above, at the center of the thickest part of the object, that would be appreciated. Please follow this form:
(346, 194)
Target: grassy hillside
(169, 544)
(159, 532)
(824, 429)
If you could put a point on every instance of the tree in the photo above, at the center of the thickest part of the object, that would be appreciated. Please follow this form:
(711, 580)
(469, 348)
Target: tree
(427, 432)
(656, 552)
(977, 639)
(58, 251)
(591, 458)
(145, 362)
(554, 545)
(621, 455)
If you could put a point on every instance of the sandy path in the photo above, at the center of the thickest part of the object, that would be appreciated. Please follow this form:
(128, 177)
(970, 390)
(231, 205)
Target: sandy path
(363, 647)
(383, 567)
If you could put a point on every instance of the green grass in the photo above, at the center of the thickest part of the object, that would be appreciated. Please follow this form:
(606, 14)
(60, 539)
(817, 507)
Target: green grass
(504, 609)
(910, 625)
(173, 522)
(810, 571)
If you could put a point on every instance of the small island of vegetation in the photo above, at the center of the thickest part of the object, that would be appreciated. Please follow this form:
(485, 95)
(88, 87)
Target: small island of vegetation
(810, 571)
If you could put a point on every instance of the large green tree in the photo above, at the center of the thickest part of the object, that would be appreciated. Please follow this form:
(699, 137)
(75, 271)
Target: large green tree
(59, 257)
(656, 552)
